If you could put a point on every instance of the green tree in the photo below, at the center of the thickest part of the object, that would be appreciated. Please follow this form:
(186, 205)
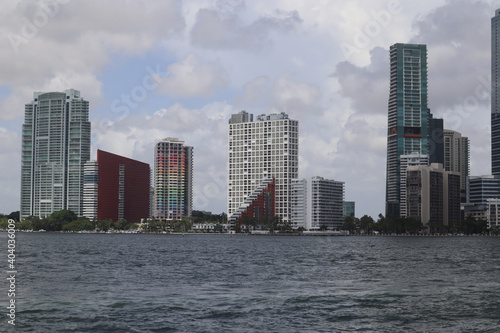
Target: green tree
(182, 225)
(152, 225)
(187, 223)
(80, 224)
(349, 224)
(121, 224)
(366, 223)
(104, 225)
(274, 223)
(59, 218)
(250, 223)
(223, 218)
(413, 225)
(25, 225)
(285, 227)
(4, 223)
(495, 230)
(37, 222)
(14, 216)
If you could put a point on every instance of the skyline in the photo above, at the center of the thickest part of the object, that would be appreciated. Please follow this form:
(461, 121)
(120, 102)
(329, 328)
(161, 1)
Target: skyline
(327, 66)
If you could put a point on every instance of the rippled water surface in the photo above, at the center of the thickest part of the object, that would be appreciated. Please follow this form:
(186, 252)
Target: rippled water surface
(221, 283)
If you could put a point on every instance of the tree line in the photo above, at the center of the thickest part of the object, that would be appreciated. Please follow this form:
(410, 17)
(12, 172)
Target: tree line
(411, 225)
(199, 216)
(67, 220)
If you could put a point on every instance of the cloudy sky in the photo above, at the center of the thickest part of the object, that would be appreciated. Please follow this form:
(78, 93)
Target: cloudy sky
(157, 69)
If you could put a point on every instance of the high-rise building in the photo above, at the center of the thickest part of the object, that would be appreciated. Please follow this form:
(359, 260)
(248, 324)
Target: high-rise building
(173, 188)
(433, 195)
(479, 190)
(493, 213)
(300, 200)
(350, 208)
(457, 158)
(55, 147)
(317, 203)
(90, 189)
(406, 161)
(495, 93)
(260, 150)
(408, 114)
(116, 187)
(482, 188)
(436, 140)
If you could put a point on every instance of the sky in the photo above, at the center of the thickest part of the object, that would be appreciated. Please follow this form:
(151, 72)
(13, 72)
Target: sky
(169, 68)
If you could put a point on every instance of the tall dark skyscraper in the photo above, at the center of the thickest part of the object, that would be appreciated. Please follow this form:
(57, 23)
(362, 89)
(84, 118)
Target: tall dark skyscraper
(408, 121)
(436, 140)
(495, 94)
(55, 147)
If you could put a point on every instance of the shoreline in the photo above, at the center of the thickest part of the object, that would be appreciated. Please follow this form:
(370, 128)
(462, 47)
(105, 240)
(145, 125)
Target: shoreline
(246, 234)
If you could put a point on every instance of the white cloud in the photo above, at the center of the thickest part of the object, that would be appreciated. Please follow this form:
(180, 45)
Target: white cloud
(294, 97)
(224, 29)
(64, 45)
(284, 94)
(367, 87)
(193, 78)
(254, 93)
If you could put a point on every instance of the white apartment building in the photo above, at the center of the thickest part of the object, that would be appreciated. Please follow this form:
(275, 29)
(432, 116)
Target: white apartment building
(55, 147)
(300, 201)
(493, 212)
(317, 202)
(90, 189)
(258, 150)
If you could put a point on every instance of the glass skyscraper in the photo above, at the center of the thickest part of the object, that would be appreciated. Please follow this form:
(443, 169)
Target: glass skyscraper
(55, 147)
(408, 121)
(495, 94)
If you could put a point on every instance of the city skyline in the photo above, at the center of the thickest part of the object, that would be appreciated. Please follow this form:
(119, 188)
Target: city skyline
(327, 66)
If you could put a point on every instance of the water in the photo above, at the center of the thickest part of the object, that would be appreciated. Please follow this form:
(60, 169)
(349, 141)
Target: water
(221, 283)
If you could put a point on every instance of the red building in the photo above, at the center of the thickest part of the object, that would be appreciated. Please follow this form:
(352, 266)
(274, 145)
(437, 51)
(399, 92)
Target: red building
(123, 188)
(261, 205)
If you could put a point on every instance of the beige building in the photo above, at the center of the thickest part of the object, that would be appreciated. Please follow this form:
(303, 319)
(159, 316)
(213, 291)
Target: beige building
(433, 194)
(412, 159)
(456, 158)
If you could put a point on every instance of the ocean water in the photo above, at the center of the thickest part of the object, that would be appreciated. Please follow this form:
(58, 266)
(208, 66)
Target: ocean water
(222, 283)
